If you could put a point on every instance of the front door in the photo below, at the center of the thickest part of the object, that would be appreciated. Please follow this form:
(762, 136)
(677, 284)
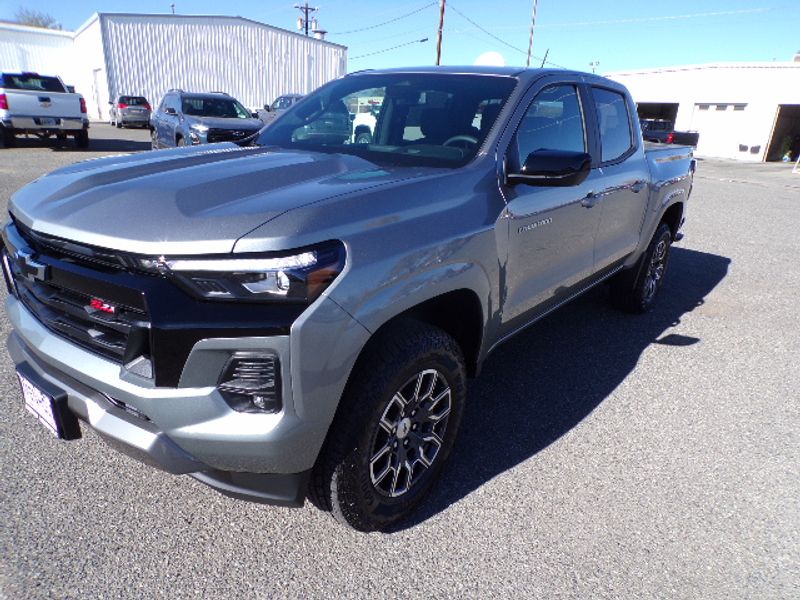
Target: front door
(551, 229)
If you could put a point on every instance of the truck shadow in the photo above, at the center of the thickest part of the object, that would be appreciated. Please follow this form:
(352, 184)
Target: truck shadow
(95, 145)
(545, 381)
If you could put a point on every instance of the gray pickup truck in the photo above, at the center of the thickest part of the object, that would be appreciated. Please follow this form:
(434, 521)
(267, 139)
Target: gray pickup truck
(298, 318)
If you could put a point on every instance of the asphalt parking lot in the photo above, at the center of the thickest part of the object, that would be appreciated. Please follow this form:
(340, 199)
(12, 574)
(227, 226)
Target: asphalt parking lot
(602, 455)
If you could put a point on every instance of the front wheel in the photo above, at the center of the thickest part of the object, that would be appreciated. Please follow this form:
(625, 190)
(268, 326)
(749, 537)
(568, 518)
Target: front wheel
(635, 290)
(394, 429)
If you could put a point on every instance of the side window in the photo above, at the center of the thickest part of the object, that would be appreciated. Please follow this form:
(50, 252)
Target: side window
(553, 121)
(172, 101)
(614, 123)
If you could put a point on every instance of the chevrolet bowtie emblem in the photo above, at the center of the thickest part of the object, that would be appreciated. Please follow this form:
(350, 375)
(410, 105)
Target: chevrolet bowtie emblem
(29, 268)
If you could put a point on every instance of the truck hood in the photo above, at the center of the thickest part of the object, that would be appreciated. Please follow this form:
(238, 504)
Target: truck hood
(195, 200)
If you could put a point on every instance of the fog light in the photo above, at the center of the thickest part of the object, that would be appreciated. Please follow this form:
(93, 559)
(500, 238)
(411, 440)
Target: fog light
(250, 382)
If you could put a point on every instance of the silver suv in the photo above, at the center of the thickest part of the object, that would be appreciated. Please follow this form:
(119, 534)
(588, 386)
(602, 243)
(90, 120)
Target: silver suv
(186, 119)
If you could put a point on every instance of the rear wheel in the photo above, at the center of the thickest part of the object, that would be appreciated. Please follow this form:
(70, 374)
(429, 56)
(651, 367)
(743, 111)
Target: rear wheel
(394, 429)
(635, 290)
(82, 139)
(180, 141)
(153, 139)
(119, 124)
(364, 138)
(9, 141)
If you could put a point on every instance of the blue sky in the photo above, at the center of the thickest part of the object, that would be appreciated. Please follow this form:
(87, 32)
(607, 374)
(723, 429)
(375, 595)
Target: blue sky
(619, 35)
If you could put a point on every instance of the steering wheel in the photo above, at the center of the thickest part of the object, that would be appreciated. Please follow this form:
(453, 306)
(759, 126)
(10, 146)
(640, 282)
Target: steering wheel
(460, 138)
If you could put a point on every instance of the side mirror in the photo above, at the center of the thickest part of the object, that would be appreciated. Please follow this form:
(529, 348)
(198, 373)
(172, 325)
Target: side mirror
(553, 168)
(266, 107)
(254, 115)
(170, 111)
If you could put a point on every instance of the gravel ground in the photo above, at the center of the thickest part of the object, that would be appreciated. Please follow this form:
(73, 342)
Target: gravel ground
(602, 455)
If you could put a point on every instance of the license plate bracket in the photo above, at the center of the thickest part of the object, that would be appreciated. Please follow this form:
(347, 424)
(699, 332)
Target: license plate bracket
(48, 404)
(47, 121)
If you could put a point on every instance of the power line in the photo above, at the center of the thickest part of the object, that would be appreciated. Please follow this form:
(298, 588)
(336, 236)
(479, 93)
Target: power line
(502, 41)
(388, 49)
(413, 12)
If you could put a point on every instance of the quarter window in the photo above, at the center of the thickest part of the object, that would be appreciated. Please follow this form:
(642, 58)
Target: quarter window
(553, 121)
(614, 123)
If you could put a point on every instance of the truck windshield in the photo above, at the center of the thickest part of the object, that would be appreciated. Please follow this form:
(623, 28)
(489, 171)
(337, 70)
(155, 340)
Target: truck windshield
(225, 108)
(432, 119)
(31, 81)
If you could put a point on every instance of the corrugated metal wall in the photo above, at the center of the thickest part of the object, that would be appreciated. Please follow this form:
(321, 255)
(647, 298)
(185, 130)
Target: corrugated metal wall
(149, 54)
(91, 80)
(43, 51)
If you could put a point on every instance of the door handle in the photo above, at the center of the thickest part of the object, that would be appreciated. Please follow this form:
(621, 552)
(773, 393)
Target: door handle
(638, 186)
(590, 200)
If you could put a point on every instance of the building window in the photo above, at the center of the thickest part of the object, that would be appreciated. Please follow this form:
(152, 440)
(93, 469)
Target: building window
(703, 106)
(722, 107)
(739, 106)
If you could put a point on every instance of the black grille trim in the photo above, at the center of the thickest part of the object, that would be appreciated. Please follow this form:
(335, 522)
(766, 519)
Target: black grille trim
(229, 135)
(69, 314)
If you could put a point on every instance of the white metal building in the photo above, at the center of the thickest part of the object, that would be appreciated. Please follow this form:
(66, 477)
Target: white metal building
(141, 54)
(745, 111)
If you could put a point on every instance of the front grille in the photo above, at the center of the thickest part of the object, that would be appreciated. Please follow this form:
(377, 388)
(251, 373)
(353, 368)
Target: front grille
(228, 135)
(70, 314)
(48, 277)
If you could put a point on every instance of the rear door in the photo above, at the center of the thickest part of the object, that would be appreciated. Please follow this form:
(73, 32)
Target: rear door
(550, 229)
(623, 194)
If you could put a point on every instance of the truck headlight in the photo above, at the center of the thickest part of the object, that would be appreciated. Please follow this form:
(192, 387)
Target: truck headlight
(299, 276)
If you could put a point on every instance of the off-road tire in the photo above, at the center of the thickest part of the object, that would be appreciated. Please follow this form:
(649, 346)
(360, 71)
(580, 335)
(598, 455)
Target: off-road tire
(9, 141)
(635, 290)
(82, 139)
(341, 481)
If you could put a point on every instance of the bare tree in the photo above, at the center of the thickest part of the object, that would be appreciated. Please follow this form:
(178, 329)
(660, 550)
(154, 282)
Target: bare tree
(34, 18)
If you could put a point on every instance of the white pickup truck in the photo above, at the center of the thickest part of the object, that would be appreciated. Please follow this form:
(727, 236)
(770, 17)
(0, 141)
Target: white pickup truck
(41, 105)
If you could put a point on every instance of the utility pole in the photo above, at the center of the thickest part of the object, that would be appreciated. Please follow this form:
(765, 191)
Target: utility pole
(530, 39)
(441, 26)
(303, 22)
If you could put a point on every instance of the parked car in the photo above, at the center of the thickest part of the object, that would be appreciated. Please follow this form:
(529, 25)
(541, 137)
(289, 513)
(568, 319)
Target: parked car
(189, 118)
(41, 105)
(280, 105)
(130, 110)
(663, 132)
(300, 317)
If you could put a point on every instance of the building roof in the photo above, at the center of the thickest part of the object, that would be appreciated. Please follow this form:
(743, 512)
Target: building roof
(8, 25)
(180, 17)
(708, 67)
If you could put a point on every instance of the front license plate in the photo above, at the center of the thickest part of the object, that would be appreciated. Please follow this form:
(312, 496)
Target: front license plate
(47, 121)
(41, 405)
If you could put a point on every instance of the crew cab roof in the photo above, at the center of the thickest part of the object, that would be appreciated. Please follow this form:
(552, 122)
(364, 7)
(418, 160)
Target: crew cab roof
(520, 73)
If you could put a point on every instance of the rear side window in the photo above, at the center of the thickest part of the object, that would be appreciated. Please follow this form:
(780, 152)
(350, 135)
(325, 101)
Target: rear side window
(614, 123)
(554, 121)
(30, 81)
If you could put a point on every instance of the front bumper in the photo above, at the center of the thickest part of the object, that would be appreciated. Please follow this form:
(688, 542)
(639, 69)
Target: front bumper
(192, 430)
